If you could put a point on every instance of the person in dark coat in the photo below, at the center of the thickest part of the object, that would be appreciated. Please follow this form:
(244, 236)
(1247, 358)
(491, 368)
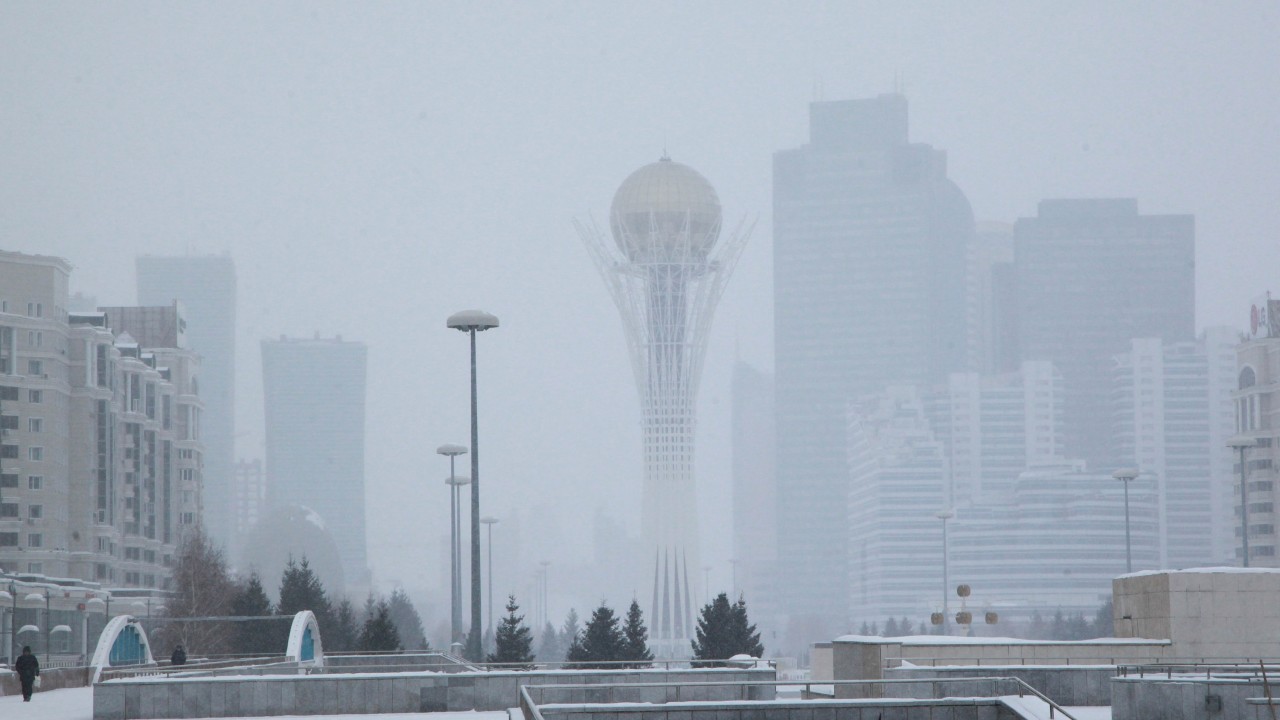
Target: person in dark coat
(28, 669)
(179, 656)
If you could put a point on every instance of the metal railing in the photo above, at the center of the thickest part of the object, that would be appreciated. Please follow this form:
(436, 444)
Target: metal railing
(193, 669)
(1233, 669)
(1022, 689)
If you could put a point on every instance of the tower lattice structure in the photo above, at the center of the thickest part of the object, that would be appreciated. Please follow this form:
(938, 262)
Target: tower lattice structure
(666, 274)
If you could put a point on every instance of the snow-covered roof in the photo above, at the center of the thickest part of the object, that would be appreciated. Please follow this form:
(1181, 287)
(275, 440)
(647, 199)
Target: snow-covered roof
(1224, 570)
(962, 640)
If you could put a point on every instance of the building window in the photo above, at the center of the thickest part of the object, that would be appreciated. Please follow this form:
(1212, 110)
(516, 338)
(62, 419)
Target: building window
(35, 309)
(35, 396)
(35, 512)
(9, 422)
(9, 480)
(9, 452)
(35, 482)
(132, 553)
(35, 454)
(35, 338)
(104, 545)
(35, 540)
(35, 568)
(9, 393)
(8, 539)
(35, 425)
(100, 571)
(9, 510)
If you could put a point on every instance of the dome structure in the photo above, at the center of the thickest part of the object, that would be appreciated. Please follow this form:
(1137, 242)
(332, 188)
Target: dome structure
(664, 210)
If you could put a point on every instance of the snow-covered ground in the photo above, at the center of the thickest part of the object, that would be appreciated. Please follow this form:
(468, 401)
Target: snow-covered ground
(77, 704)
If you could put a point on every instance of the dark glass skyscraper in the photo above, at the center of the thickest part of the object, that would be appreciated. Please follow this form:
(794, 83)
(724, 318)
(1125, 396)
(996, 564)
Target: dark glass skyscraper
(869, 281)
(315, 399)
(1091, 276)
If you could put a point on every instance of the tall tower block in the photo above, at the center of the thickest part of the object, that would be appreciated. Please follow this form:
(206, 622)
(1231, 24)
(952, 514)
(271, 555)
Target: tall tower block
(666, 273)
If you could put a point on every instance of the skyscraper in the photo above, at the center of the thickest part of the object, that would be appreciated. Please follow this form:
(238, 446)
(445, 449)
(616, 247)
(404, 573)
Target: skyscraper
(1257, 410)
(1091, 276)
(315, 400)
(869, 290)
(755, 537)
(206, 287)
(666, 273)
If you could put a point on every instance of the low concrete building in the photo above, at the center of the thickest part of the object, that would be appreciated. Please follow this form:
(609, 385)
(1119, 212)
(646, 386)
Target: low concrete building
(1206, 613)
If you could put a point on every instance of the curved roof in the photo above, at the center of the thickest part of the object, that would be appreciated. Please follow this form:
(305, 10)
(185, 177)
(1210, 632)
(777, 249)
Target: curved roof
(664, 198)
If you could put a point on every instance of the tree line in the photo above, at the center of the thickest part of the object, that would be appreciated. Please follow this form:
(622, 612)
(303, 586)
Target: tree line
(608, 641)
(203, 588)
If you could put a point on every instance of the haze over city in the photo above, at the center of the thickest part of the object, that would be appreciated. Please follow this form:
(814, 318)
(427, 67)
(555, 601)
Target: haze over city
(373, 168)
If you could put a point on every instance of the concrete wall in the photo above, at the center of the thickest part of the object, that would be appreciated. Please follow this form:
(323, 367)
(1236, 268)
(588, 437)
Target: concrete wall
(268, 695)
(866, 658)
(53, 679)
(1182, 698)
(820, 662)
(965, 709)
(1083, 685)
(1207, 613)
(651, 694)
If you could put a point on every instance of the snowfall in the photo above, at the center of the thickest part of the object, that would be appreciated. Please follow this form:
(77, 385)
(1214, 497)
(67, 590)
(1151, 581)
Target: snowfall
(77, 704)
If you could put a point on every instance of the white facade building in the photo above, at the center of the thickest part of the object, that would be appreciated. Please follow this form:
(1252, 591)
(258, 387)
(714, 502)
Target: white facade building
(1257, 412)
(1173, 416)
(666, 268)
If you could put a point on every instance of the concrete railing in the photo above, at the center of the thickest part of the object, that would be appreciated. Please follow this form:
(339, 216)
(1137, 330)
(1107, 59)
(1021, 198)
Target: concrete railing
(1186, 697)
(50, 679)
(384, 692)
(1067, 685)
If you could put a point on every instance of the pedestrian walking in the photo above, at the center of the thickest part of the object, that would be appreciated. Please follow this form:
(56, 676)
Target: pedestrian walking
(28, 669)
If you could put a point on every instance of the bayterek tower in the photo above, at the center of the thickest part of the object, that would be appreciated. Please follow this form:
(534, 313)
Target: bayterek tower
(666, 272)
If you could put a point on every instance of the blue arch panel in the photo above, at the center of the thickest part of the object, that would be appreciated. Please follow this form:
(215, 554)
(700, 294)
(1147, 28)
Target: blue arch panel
(129, 647)
(308, 646)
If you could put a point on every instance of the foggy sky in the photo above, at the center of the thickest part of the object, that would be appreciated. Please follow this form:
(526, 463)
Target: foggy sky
(373, 168)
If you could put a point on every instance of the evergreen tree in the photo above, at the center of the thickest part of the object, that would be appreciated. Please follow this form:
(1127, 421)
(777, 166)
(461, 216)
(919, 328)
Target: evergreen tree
(301, 589)
(550, 647)
(1038, 630)
(408, 623)
(345, 634)
(602, 641)
(571, 629)
(865, 629)
(891, 628)
(725, 631)
(379, 632)
(905, 628)
(1058, 629)
(636, 639)
(514, 642)
(746, 638)
(262, 637)
(874, 631)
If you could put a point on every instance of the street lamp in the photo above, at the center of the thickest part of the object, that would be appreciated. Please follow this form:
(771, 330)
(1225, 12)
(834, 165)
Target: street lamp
(455, 483)
(1240, 444)
(944, 516)
(490, 521)
(546, 616)
(471, 322)
(1126, 476)
(452, 451)
(733, 569)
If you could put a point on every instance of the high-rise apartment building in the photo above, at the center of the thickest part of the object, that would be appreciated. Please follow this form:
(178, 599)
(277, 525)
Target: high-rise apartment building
(1172, 418)
(1257, 417)
(100, 466)
(314, 392)
(898, 483)
(870, 238)
(206, 288)
(248, 504)
(1091, 275)
(994, 427)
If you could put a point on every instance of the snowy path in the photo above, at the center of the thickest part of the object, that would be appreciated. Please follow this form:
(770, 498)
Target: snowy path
(77, 704)
(1036, 708)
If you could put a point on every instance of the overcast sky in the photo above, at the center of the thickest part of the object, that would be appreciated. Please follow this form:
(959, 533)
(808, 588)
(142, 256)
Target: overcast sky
(373, 167)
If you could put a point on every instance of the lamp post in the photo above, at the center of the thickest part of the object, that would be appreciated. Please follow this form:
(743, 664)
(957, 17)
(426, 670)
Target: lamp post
(944, 516)
(733, 569)
(489, 521)
(1126, 476)
(472, 322)
(456, 482)
(546, 616)
(452, 451)
(1240, 444)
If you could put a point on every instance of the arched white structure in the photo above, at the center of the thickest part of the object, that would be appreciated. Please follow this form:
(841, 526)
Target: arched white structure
(666, 269)
(122, 642)
(304, 645)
